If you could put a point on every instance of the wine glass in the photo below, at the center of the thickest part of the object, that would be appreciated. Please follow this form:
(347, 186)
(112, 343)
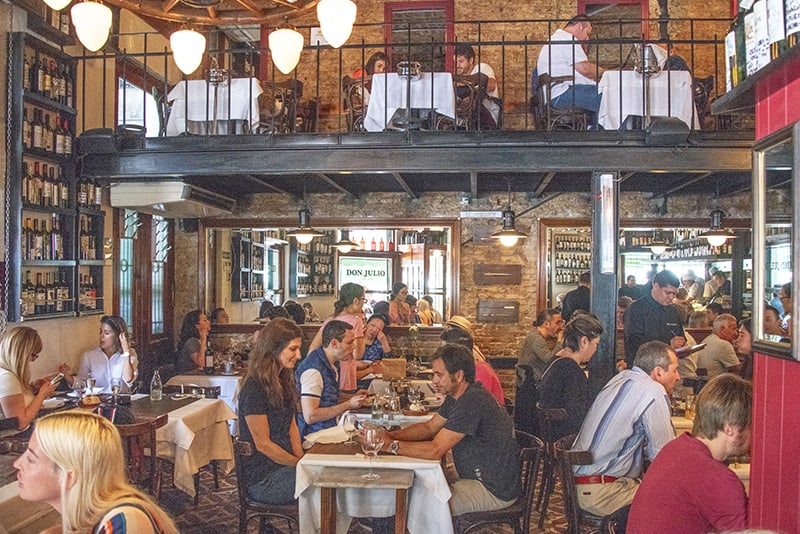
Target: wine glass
(116, 386)
(350, 426)
(414, 395)
(77, 387)
(90, 382)
(371, 444)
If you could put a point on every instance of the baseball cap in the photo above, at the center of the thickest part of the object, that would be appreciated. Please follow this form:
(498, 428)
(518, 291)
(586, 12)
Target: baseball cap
(460, 322)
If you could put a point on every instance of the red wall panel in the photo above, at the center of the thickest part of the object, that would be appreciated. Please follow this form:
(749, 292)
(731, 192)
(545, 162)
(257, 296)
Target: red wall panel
(776, 99)
(775, 452)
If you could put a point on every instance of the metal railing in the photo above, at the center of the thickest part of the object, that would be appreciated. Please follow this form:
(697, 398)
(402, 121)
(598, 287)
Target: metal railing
(318, 96)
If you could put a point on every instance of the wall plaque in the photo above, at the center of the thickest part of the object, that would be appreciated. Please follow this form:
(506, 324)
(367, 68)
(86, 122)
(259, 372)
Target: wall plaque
(498, 311)
(509, 275)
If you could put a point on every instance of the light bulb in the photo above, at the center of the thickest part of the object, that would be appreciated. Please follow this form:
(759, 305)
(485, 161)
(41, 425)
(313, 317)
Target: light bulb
(92, 23)
(304, 239)
(508, 240)
(716, 240)
(188, 47)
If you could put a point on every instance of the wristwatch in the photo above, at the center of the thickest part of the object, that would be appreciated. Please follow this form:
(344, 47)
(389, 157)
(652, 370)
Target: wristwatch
(394, 448)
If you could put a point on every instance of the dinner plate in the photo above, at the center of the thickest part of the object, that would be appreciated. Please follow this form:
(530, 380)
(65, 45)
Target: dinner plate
(232, 373)
(76, 394)
(52, 404)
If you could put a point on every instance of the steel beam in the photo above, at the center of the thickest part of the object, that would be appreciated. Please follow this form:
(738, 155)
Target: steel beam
(404, 185)
(325, 178)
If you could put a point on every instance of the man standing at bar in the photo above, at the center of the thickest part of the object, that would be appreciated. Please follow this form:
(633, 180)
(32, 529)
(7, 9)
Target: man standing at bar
(579, 298)
(653, 318)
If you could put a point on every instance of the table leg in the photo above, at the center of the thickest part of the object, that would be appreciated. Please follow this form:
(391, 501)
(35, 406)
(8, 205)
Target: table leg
(328, 511)
(400, 512)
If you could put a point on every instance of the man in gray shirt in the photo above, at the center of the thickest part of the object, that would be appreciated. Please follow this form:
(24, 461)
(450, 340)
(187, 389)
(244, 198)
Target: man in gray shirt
(543, 342)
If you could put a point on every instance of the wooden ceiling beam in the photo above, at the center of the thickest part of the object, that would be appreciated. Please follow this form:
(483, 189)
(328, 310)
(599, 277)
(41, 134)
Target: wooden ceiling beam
(250, 6)
(169, 4)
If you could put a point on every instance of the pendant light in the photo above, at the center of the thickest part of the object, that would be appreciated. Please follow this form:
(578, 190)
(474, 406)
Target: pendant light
(717, 235)
(336, 18)
(509, 235)
(187, 47)
(304, 233)
(57, 5)
(285, 46)
(344, 244)
(92, 22)
(658, 245)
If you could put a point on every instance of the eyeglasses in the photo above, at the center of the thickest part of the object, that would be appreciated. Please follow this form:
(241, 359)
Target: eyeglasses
(34, 356)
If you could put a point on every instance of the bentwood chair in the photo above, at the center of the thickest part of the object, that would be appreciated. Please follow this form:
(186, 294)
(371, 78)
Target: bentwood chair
(354, 106)
(141, 461)
(571, 118)
(577, 519)
(518, 515)
(469, 90)
(250, 509)
(548, 418)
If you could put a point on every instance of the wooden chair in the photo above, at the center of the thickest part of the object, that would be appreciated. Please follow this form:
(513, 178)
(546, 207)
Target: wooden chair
(558, 118)
(567, 459)
(137, 439)
(250, 509)
(209, 392)
(518, 515)
(469, 90)
(547, 417)
(354, 106)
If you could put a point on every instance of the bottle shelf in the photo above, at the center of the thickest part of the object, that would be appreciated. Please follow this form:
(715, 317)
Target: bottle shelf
(48, 263)
(40, 26)
(49, 210)
(40, 316)
(41, 153)
(43, 101)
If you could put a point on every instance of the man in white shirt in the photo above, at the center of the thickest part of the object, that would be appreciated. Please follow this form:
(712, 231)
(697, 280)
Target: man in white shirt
(466, 64)
(564, 56)
(719, 356)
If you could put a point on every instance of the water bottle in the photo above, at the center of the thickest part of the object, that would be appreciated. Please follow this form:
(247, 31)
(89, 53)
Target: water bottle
(377, 408)
(156, 388)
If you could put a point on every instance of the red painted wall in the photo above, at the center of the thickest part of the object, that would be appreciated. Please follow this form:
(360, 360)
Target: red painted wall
(775, 467)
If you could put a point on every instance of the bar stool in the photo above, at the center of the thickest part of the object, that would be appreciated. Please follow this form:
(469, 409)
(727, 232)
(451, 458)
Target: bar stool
(331, 478)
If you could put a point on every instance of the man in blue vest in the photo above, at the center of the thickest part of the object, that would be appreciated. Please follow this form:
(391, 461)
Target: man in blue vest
(318, 380)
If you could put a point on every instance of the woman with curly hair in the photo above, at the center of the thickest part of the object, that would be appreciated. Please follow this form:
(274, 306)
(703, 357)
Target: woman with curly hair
(192, 344)
(74, 463)
(347, 308)
(267, 414)
(400, 312)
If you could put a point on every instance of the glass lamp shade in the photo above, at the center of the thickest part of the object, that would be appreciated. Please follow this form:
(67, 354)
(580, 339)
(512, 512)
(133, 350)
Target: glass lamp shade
(509, 235)
(717, 235)
(658, 249)
(336, 18)
(716, 240)
(304, 238)
(92, 23)
(188, 47)
(508, 240)
(285, 46)
(57, 5)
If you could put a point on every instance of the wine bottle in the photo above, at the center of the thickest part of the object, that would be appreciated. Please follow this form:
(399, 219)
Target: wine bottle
(98, 197)
(50, 293)
(47, 134)
(57, 241)
(37, 139)
(25, 182)
(83, 240)
(40, 296)
(47, 188)
(209, 359)
(67, 138)
(65, 293)
(83, 192)
(28, 295)
(36, 252)
(26, 74)
(27, 244)
(47, 80)
(64, 200)
(26, 129)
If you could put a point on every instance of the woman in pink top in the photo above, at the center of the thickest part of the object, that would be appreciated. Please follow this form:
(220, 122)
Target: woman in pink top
(399, 311)
(348, 309)
(483, 371)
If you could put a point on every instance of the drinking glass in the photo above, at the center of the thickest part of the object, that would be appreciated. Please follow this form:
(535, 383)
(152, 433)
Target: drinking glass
(77, 387)
(90, 382)
(116, 386)
(371, 444)
(690, 406)
(349, 423)
(414, 395)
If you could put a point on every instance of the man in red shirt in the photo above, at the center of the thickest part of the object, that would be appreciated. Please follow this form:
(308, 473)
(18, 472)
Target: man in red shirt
(688, 488)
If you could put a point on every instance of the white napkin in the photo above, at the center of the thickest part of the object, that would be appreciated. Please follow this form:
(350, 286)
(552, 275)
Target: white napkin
(334, 434)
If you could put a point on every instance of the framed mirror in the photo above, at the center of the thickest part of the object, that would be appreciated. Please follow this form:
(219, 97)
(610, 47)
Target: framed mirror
(776, 214)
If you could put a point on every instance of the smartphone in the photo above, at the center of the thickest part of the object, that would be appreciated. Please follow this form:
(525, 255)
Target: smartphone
(56, 379)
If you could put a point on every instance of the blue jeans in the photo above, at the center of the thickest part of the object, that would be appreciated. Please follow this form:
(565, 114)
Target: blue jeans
(583, 96)
(277, 488)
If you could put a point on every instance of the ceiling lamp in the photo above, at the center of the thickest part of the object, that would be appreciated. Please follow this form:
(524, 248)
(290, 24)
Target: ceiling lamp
(336, 18)
(92, 22)
(57, 5)
(509, 235)
(717, 235)
(344, 244)
(305, 233)
(188, 47)
(658, 245)
(285, 45)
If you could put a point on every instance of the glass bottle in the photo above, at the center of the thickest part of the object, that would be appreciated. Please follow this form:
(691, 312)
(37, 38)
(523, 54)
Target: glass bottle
(156, 387)
(209, 361)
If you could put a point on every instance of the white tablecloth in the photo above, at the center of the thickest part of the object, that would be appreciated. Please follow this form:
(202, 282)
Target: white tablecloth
(388, 94)
(682, 424)
(193, 436)
(200, 106)
(428, 511)
(229, 387)
(670, 95)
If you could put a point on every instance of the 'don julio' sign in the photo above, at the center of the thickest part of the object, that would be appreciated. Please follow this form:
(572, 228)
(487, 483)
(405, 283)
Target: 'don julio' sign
(375, 274)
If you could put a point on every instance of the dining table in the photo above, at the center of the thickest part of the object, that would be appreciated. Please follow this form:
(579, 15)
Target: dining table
(432, 91)
(229, 387)
(622, 96)
(428, 509)
(200, 107)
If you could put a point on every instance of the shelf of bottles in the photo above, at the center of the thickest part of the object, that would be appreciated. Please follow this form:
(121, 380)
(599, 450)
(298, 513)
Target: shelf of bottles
(572, 255)
(684, 244)
(315, 265)
(760, 33)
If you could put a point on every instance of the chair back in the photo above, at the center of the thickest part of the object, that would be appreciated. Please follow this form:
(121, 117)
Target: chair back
(525, 401)
(531, 453)
(470, 90)
(548, 420)
(558, 118)
(241, 449)
(143, 469)
(209, 392)
(354, 102)
(566, 459)
(273, 109)
(703, 88)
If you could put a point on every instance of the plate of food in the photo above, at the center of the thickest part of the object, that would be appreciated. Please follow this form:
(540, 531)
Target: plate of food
(90, 401)
(52, 404)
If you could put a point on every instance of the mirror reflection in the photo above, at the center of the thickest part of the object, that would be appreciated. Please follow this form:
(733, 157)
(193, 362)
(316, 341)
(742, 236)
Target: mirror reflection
(249, 267)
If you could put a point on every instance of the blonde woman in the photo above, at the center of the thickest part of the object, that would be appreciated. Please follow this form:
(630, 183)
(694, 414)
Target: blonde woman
(74, 463)
(18, 397)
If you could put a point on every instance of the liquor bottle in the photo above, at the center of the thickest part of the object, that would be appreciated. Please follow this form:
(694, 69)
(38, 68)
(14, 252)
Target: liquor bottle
(26, 129)
(37, 137)
(391, 246)
(362, 244)
(156, 387)
(381, 245)
(209, 359)
(50, 293)
(373, 245)
(40, 296)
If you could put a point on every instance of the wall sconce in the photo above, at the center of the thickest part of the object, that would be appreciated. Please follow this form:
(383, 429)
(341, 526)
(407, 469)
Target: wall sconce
(717, 235)
(344, 244)
(285, 46)
(336, 18)
(92, 22)
(188, 47)
(304, 233)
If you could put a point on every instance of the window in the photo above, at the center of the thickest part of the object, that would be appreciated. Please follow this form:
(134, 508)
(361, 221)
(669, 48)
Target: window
(612, 20)
(417, 31)
(137, 107)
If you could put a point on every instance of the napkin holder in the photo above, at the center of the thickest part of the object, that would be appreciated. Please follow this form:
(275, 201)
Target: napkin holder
(393, 368)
